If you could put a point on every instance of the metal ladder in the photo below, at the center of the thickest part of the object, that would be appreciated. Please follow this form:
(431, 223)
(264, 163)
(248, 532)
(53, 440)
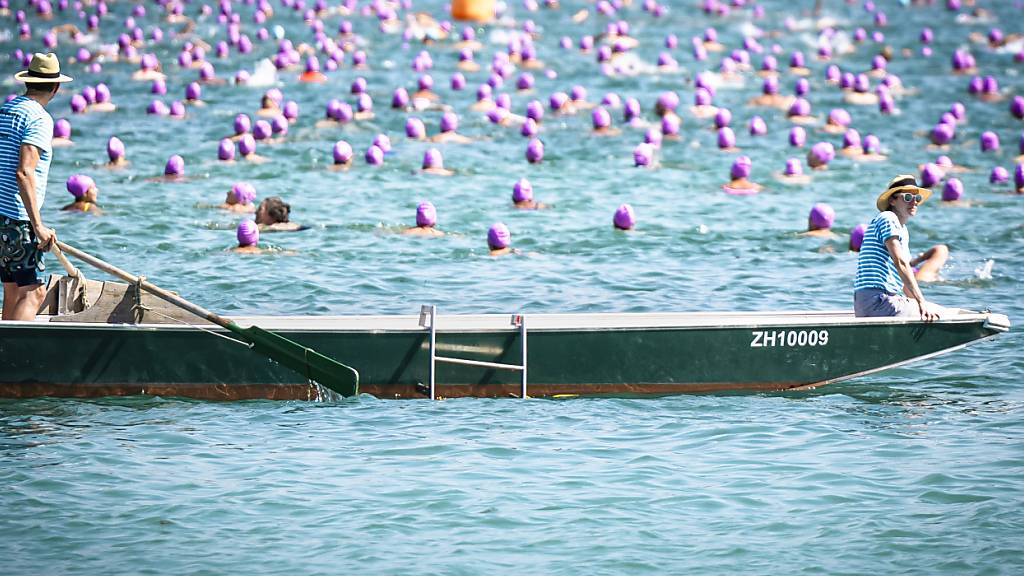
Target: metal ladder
(428, 315)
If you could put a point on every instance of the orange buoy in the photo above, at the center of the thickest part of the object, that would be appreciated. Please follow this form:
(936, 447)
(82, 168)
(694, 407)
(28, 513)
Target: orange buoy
(473, 10)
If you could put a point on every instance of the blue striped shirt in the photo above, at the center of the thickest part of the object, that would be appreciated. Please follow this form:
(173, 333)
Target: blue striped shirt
(22, 121)
(875, 267)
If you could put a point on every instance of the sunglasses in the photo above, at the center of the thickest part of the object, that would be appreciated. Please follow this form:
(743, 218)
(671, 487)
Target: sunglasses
(908, 198)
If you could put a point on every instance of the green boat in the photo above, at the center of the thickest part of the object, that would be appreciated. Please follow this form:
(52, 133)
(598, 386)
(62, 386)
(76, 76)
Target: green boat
(116, 340)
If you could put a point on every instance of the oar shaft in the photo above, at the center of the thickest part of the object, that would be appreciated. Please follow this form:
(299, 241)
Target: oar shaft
(151, 288)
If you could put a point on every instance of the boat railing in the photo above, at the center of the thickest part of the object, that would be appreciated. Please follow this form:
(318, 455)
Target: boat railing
(428, 320)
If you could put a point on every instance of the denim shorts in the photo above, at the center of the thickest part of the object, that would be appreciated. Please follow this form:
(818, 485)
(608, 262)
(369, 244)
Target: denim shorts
(876, 302)
(20, 258)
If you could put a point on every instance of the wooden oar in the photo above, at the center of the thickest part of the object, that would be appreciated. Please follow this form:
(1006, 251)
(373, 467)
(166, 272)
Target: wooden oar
(309, 363)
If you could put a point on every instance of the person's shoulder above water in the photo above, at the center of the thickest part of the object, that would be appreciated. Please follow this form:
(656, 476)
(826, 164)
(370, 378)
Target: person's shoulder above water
(272, 215)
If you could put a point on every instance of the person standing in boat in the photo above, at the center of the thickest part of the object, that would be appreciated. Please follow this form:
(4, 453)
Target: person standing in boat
(25, 150)
(885, 284)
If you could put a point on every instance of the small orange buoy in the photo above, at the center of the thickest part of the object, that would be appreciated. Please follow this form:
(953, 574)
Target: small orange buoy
(473, 10)
(313, 76)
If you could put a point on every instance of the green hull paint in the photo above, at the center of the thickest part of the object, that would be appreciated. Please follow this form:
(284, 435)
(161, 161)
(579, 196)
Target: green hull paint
(84, 360)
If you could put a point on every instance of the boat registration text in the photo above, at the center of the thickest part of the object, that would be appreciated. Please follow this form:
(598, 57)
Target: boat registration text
(792, 338)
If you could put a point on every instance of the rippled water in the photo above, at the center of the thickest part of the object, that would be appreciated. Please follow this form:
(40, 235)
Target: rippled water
(916, 470)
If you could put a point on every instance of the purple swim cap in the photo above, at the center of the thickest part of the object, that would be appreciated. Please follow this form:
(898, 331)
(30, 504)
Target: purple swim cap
(535, 151)
(503, 101)
(643, 154)
(794, 167)
(177, 109)
(525, 81)
(726, 137)
(358, 85)
(770, 87)
(415, 129)
(653, 136)
(242, 124)
(702, 97)
(723, 118)
(839, 117)
(175, 166)
(989, 141)
(851, 139)
(578, 93)
(1017, 107)
(79, 184)
(670, 125)
(364, 103)
(769, 63)
(557, 100)
(374, 155)
(89, 93)
(62, 128)
(631, 109)
(498, 236)
(741, 168)
(522, 191)
(400, 98)
(342, 152)
(262, 130)
(601, 118)
(999, 175)
(821, 154)
(667, 102)
(952, 190)
(432, 159)
(535, 110)
(1018, 175)
(449, 121)
(942, 134)
(158, 87)
(931, 175)
(624, 218)
(990, 85)
(426, 215)
(802, 87)
(290, 110)
(248, 233)
(383, 142)
(247, 145)
(758, 127)
(78, 104)
(244, 192)
(800, 107)
(458, 81)
(529, 128)
(193, 91)
(857, 236)
(822, 217)
(102, 93)
(115, 148)
(796, 60)
(226, 150)
(958, 110)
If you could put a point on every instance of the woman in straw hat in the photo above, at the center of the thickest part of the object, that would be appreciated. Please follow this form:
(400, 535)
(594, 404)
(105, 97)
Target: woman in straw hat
(885, 283)
(25, 150)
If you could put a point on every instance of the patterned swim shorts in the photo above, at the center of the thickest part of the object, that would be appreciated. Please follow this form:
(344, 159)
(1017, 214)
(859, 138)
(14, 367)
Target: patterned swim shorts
(20, 258)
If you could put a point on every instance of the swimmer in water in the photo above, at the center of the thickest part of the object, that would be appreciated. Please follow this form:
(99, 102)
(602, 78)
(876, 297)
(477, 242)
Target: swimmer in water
(522, 196)
(624, 218)
(248, 235)
(426, 220)
(116, 153)
(449, 127)
(433, 163)
(499, 240)
(240, 198)
(740, 172)
(820, 221)
(602, 121)
(272, 216)
(793, 173)
(342, 154)
(61, 134)
(270, 103)
(84, 189)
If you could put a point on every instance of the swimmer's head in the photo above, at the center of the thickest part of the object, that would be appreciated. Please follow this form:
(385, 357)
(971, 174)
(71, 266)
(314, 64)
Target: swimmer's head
(578, 93)
(999, 175)
(449, 121)
(79, 185)
(426, 215)
(952, 190)
(643, 154)
(535, 110)
(931, 175)
(290, 110)
(797, 136)
(851, 139)
(458, 81)
(242, 124)
(989, 141)
(78, 103)
(175, 166)
(529, 128)
(794, 167)
(415, 129)
(193, 91)
(839, 117)
(667, 102)
(226, 150)
(631, 109)
(374, 155)
(558, 100)
(1017, 107)
(243, 192)
(822, 217)
(522, 191)
(857, 237)
(942, 134)
(115, 149)
(400, 98)
(499, 237)
(525, 81)
(600, 118)
(670, 125)
(432, 159)
(758, 127)
(800, 107)
(535, 151)
(723, 117)
(263, 130)
(741, 168)
(821, 154)
(247, 145)
(364, 103)
(62, 128)
(1018, 175)
(624, 217)
(726, 138)
(770, 86)
(248, 233)
(702, 97)
(341, 152)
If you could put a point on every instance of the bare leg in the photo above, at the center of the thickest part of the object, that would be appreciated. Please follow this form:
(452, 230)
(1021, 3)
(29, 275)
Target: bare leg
(934, 259)
(25, 304)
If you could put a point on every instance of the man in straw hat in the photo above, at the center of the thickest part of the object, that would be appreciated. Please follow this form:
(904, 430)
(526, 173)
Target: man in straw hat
(25, 132)
(885, 283)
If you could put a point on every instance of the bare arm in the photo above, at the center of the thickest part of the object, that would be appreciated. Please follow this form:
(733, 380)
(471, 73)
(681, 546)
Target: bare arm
(27, 190)
(910, 286)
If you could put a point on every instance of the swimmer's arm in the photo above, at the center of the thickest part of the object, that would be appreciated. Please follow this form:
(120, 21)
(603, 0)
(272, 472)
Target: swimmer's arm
(26, 176)
(910, 286)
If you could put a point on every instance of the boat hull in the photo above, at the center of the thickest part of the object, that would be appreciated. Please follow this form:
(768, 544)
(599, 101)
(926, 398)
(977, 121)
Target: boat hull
(603, 354)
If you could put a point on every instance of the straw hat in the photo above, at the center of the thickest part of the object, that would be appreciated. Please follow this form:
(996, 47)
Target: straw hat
(901, 183)
(42, 68)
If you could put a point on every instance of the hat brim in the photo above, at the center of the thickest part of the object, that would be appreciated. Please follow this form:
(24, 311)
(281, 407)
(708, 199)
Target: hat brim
(883, 199)
(24, 76)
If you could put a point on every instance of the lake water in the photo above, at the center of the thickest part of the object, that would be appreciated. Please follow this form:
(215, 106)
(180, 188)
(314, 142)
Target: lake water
(916, 470)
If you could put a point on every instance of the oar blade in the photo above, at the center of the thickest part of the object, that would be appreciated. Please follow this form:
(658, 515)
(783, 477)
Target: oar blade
(315, 366)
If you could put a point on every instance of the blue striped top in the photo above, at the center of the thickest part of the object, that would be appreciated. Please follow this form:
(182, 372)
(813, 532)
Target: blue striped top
(875, 267)
(22, 121)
